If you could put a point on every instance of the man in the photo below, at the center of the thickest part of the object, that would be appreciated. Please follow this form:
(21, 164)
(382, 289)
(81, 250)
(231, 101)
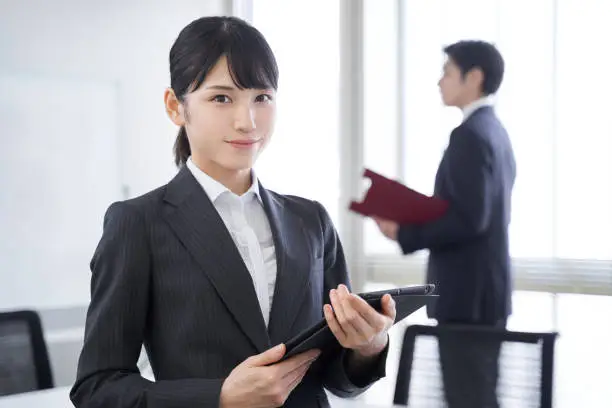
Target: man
(469, 256)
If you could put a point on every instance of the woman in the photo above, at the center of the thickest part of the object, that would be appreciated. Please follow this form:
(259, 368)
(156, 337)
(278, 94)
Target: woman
(212, 270)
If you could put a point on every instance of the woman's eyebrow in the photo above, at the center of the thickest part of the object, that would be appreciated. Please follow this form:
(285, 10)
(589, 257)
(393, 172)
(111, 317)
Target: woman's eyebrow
(220, 87)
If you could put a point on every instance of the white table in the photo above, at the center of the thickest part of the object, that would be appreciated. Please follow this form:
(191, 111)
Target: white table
(52, 398)
(58, 398)
(347, 403)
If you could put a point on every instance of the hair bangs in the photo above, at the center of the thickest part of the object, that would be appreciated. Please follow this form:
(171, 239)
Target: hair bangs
(251, 63)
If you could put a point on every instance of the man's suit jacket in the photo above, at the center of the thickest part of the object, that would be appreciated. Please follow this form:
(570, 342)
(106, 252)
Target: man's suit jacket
(469, 258)
(166, 273)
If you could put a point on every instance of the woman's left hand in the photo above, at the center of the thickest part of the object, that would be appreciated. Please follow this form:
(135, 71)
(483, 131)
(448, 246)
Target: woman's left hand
(356, 324)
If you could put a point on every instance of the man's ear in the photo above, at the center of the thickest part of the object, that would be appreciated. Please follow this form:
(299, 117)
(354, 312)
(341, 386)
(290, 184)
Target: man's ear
(475, 77)
(174, 108)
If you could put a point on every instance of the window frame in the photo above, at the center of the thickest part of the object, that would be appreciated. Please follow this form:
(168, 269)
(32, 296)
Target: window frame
(549, 275)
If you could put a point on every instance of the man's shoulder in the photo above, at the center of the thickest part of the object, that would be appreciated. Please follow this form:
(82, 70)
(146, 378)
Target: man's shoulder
(482, 124)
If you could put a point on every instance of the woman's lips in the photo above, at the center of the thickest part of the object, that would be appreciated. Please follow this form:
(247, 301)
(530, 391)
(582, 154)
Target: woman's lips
(244, 144)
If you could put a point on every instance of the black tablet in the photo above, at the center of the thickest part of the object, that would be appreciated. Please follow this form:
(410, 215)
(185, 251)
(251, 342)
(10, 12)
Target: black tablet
(407, 301)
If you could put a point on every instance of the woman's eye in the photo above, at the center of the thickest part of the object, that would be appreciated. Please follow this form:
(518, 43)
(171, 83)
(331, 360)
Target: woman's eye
(221, 99)
(264, 98)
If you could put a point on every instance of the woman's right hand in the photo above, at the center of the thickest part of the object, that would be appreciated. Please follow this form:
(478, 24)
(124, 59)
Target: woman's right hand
(259, 383)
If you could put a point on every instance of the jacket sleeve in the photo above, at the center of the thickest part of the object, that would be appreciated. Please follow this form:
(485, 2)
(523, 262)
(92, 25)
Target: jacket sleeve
(468, 174)
(107, 374)
(337, 378)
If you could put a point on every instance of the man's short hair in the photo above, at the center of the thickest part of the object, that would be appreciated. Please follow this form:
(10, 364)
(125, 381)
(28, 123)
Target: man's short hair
(471, 54)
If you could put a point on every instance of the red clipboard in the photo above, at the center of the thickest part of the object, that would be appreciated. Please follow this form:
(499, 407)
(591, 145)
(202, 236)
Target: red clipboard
(394, 201)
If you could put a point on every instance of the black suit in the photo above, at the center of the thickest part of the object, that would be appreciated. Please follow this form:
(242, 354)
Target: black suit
(469, 257)
(167, 274)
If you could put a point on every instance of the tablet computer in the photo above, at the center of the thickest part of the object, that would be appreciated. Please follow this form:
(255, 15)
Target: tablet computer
(407, 301)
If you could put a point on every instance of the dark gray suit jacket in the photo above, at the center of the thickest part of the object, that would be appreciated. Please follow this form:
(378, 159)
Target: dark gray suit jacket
(469, 257)
(167, 274)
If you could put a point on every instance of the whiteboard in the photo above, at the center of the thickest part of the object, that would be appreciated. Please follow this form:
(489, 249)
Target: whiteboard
(59, 171)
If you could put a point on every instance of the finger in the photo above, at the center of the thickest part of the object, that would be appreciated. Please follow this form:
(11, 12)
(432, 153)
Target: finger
(290, 386)
(389, 229)
(372, 317)
(299, 372)
(380, 224)
(333, 324)
(294, 363)
(268, 357)
(389, 306)
(361, 329)
(289, 382)
(337, 296)
(336, 304)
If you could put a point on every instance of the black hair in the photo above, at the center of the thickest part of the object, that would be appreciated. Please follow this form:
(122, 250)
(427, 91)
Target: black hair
(471, 54)
(199, 47)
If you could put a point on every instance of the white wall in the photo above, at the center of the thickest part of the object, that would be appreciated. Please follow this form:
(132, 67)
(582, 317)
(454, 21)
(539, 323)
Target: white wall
(98, 68)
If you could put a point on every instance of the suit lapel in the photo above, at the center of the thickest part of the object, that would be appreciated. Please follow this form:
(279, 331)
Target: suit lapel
(293, 254)
(197, 224)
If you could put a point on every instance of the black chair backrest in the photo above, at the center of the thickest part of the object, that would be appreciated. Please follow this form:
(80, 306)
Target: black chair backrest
(475, 366)
(24, 361)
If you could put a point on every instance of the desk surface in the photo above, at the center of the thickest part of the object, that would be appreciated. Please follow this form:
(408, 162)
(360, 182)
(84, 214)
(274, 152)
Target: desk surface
(53, 398)
(347, 403)
(58, 398)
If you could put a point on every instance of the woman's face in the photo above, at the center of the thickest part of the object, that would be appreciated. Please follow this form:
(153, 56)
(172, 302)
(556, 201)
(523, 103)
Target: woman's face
(227, 127)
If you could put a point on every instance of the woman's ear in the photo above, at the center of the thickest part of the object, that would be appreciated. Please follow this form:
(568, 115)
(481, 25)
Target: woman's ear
(174, 108)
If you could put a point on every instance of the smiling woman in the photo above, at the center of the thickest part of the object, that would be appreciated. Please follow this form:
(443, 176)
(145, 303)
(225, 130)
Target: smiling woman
(215, 83)
(212, 270)
(226, 121)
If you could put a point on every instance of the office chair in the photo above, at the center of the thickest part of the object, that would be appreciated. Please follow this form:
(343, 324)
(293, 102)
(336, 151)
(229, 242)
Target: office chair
(470, 366)
(24, 361)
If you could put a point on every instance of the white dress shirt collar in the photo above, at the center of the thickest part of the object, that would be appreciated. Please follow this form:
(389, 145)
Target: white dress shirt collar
(214, 189)
(477, 104)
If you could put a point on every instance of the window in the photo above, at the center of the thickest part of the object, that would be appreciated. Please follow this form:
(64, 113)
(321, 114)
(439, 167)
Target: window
(553, 102)
(303, 157)
(583, 131)
(380, 96)
(530, 123)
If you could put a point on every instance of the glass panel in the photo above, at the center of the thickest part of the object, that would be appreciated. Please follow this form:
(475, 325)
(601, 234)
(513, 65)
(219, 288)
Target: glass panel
(380, 105)
(303, 157)
(584, 130)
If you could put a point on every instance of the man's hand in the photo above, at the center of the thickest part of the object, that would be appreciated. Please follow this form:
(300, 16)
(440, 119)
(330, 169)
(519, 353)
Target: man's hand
(356, 324)
(388, 228)
(259, 383)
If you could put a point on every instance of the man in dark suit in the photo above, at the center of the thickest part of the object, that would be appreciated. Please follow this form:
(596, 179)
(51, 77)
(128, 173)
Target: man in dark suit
(469, 257)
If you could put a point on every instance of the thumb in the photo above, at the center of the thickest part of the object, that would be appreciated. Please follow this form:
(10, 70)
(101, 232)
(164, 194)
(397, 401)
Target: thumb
(267, 357)
(389, 306)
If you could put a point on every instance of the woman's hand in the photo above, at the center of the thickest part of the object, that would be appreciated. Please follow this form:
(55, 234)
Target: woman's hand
(356, 324)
